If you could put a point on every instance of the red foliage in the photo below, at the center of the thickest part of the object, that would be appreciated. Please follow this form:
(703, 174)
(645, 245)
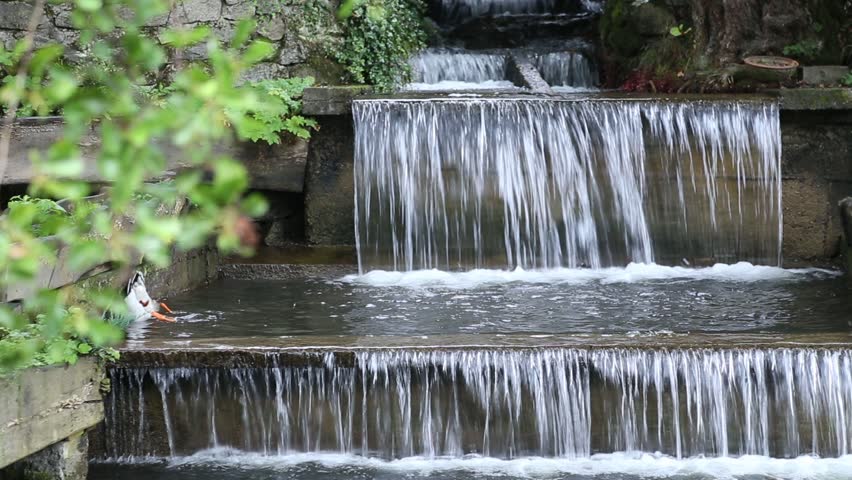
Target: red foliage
(644, 81)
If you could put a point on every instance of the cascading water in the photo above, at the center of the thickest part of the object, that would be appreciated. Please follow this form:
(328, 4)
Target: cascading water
(459, 10)
(457, 184)
(566, 403)
(437, 65)
(448, 69)
(476, 8)
(567, 69)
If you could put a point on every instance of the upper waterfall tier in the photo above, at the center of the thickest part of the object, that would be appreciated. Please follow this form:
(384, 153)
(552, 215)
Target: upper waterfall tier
(459, 10)
(538, 183)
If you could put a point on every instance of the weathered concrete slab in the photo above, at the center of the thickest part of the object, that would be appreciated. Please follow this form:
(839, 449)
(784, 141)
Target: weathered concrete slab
(815, 98)
(188, 270)
(278, 167)
(276, 271)
(301, 350)
(65, 460)
(40, 407)
(318, 101)
(329, 183)
(523, 73)
(824, 74)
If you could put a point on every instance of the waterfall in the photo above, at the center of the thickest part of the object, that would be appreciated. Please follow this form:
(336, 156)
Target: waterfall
(538, 183)
(552, 402)
(437, 65)
(458, 10)
(570, 69)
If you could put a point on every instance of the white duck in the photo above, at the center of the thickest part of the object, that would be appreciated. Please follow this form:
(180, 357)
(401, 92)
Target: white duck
(139, 303)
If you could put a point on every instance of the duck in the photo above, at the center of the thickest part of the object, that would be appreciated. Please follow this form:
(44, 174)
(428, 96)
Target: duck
(140, 304)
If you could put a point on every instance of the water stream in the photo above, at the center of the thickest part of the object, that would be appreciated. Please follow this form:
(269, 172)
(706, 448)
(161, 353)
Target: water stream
(566, 403)
(460, 184)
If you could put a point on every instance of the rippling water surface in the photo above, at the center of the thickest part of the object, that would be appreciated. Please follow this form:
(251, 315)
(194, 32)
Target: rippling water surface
(637, 299)
(232, 465)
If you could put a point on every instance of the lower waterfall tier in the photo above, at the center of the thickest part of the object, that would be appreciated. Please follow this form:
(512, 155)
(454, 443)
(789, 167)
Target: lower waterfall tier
(506, 403)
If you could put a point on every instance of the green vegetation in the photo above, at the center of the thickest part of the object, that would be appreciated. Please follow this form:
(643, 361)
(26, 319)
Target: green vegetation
(679, 31)
(205, 105)
(379, 38)
(33, 345)
(806, 50)
(46, 215)
(282, 100)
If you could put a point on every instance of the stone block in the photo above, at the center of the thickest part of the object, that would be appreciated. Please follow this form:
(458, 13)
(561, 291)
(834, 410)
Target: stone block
(293, 51)
(806, 217)
(15, 15)
(66, 460)
(329, 184)
(238, 11)
(263, 71)
(824, 75)
(272, 29)
(331, 100)
(42, 406)
(196, 11)
(815, 98)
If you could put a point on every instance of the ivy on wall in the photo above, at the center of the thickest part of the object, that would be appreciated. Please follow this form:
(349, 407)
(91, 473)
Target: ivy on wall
(379, 36)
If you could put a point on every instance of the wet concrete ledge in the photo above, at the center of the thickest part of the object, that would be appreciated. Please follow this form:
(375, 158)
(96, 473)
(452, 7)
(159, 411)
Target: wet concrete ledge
(48, 410)
(264, 352)
(327, 101)
(278, 167)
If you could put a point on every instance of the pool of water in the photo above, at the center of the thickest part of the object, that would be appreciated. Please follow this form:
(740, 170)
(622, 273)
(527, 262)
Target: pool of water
(638, 299)
(232, 465)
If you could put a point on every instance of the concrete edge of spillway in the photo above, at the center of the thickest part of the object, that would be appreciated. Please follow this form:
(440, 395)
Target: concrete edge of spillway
(260, 352)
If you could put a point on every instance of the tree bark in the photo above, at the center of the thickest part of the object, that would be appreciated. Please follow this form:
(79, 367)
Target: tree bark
(727, 30)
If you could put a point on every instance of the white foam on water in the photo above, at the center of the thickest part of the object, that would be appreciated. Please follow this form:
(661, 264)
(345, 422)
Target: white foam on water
(459, 85)
(632, 273)
(643, 465)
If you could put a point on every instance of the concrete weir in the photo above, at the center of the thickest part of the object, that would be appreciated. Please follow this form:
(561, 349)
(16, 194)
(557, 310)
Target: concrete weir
(813, 124)
(561, 395)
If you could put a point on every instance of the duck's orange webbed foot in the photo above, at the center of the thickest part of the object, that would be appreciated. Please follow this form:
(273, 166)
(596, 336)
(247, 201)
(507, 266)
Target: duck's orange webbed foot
(159, 316)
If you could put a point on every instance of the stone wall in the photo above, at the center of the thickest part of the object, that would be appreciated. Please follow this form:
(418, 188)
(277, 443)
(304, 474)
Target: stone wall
(817, 174)
(283, 24)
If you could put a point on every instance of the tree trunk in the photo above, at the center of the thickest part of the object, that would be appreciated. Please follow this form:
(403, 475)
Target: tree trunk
(725, 31)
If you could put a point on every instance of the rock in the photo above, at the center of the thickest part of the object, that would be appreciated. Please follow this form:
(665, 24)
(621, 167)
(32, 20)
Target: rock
(277, 236)
(824, 75)
(292, 52)
(224, 30)
(195, 11)
(7, 40)
(238, 11)
(62, 16)
(15, 15)
(273, 29)
(652, 20)
(263, 71)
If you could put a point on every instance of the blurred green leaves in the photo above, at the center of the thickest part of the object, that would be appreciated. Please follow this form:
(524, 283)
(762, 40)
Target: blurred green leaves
(115, 93)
